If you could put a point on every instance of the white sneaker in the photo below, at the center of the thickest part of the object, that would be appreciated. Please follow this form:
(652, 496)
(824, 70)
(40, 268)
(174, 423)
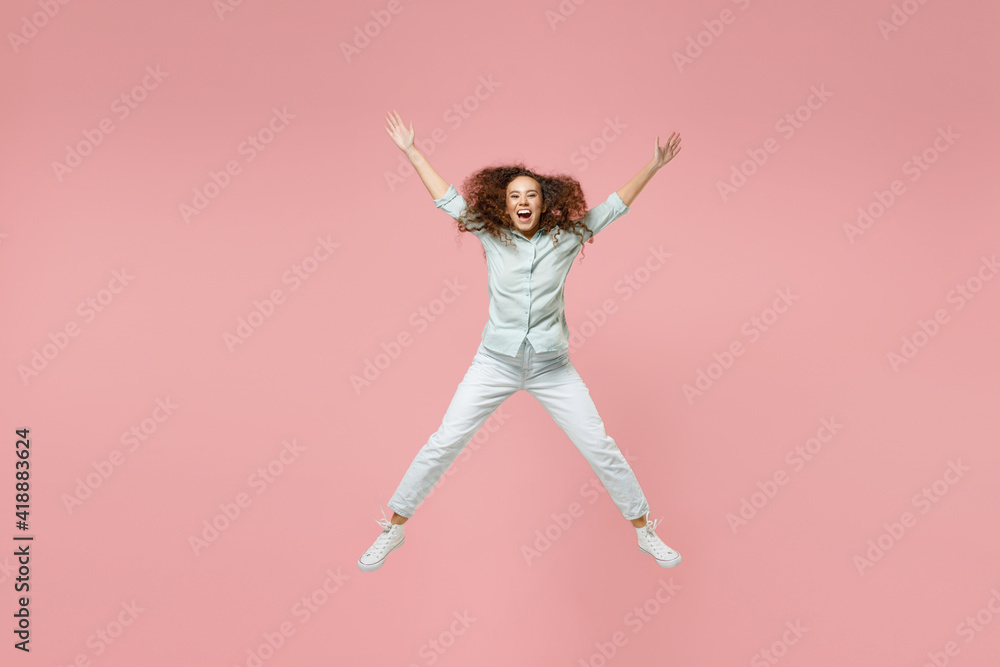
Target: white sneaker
(390, 540)
(650, 543)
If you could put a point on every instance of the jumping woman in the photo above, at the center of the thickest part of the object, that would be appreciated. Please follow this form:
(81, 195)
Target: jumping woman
(520, 218)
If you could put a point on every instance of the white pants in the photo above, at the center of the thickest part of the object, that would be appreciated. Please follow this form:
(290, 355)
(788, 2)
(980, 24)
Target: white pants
(551, 378)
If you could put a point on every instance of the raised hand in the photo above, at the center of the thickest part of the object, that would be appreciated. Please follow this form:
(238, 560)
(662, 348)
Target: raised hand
(397, 131)
(661, 156)
(403, 137)
(665, 153)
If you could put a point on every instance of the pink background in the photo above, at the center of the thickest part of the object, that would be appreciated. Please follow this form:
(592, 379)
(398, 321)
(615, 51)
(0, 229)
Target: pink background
(161, 336)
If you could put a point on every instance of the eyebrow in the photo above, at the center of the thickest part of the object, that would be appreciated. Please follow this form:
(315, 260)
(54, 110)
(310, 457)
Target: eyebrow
(531, 190)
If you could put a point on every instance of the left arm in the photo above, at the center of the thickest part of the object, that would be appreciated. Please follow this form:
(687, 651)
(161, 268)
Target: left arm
(661, 156)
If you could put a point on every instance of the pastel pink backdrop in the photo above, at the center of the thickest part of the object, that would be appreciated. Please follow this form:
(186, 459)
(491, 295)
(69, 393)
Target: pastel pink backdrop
(607, 77)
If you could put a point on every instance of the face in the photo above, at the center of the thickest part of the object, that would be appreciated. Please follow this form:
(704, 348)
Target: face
(524, 195)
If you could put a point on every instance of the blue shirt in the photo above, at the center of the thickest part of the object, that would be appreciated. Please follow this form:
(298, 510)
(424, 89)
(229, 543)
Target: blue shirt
(526, 287)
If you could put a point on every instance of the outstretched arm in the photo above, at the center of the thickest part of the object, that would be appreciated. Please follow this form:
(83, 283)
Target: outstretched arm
(403, 138)
(661, 156)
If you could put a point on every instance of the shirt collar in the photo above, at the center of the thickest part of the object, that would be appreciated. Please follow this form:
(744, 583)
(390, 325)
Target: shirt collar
(525, 238)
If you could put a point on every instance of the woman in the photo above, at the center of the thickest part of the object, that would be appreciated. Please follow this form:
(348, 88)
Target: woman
(528, 225)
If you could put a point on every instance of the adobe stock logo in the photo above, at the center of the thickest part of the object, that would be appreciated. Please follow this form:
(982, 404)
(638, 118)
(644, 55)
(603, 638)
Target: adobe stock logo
(88, 310)
(38, 20)
(628, 285)
(967, 629)
(104, 468)
(779, 648)
(636, 619)
(697, 43)
(230, 511)
(788, 125)
(915, 167)
(796, 458)
(923, 500)
(303, 610)
(223, 7)
(365, 34)
(753, 329)
(565, 9)
(899, 17)
(104, 637)
(561, 523)
(420, 319)
(587, 153)
(248, 149)
(959, 296)
(122, 107)
(437, 646)
(295, 276)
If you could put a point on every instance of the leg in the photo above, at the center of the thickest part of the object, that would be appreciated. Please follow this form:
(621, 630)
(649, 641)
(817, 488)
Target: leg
(566, 398)
(559, 388)
(485, 386)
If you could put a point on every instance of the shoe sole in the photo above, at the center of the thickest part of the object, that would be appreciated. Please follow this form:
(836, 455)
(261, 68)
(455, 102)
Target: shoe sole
(365, 567)
(663, 563)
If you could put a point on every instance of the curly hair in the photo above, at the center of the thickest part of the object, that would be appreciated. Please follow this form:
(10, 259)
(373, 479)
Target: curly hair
(485, 194)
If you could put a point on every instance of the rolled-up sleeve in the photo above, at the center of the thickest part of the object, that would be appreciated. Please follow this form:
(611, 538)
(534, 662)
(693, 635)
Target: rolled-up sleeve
(451, 202)
(454, 205)
(605, 213)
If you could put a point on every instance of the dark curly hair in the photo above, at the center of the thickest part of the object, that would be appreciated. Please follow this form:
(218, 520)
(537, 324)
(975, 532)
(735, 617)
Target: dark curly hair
(485, 194)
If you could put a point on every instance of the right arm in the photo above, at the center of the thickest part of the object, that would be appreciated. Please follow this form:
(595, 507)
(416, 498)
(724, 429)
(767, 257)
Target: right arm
(403, 138)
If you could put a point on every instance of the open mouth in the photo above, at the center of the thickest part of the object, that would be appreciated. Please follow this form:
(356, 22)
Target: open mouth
(524, 215)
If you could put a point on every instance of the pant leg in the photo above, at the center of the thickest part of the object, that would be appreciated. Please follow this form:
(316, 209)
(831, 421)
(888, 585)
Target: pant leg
(564, 395)
(486, 385)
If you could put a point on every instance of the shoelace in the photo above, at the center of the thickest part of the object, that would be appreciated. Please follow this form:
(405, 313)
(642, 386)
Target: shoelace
(385, 524)
(654, 541)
